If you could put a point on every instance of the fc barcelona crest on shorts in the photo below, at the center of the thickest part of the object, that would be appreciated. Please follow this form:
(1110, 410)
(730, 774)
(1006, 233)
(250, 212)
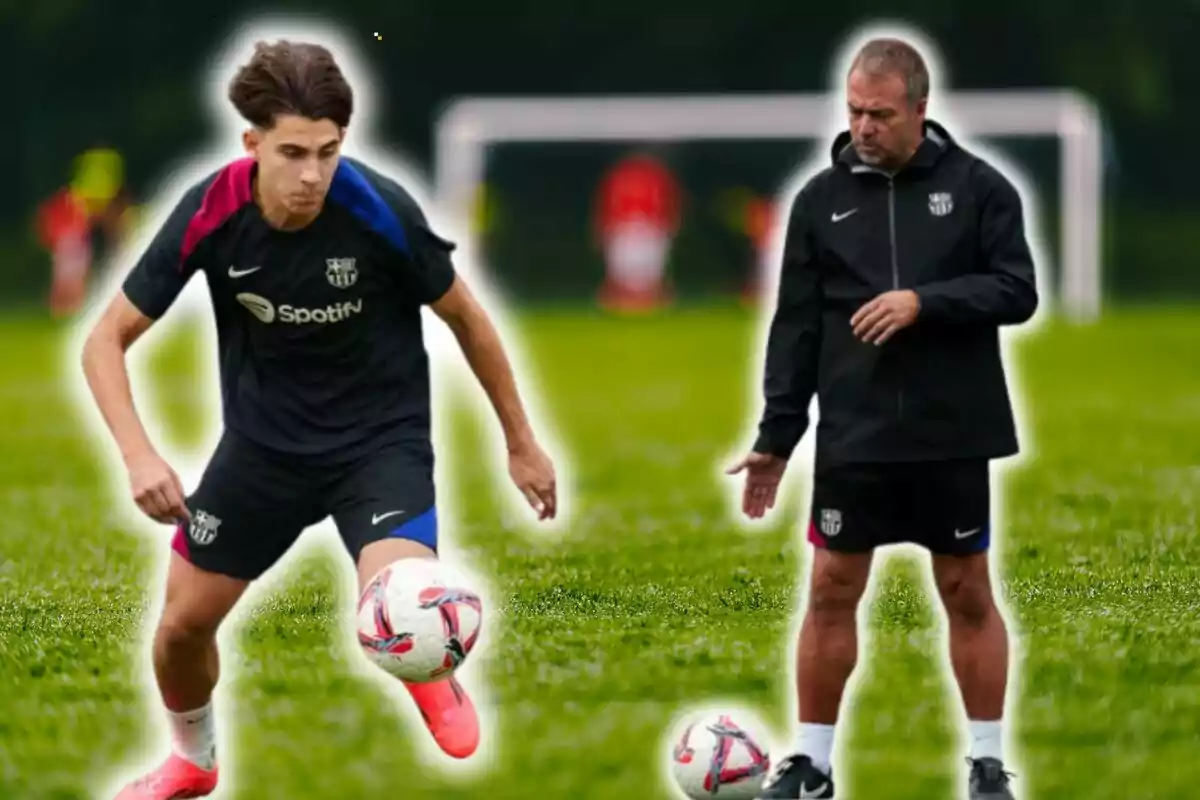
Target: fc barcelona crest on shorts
(940, 203)
(204, 527)
(831, 521)
(341, 272)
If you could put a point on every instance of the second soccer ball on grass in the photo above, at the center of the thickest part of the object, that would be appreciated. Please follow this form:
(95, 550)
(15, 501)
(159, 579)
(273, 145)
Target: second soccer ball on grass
(723, 755)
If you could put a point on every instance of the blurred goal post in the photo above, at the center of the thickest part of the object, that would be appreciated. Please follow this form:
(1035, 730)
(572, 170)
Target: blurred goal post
(469, 126)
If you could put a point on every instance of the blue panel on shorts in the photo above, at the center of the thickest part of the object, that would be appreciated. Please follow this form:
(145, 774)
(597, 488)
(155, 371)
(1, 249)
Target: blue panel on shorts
(984, 540)
(422, 529)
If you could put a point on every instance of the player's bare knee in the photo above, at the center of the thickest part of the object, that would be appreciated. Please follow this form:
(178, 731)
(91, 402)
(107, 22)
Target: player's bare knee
(830, 607)
(189, 623)
(377, 555)
(967, 599)
(965, 589)
(837, 588)
(181, 635)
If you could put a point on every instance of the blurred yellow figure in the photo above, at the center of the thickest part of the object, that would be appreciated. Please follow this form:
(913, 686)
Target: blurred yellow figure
(98, 178)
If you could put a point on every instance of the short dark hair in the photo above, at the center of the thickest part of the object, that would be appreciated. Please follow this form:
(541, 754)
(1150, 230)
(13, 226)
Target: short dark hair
(291, 78)
(895, 57)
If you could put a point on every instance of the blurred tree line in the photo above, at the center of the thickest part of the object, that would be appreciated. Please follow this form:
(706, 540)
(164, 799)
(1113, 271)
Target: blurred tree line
(126, 73)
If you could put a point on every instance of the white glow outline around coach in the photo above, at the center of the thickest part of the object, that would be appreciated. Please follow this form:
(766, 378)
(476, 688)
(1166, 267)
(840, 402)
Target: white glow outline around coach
(448, 368)
(801, 461)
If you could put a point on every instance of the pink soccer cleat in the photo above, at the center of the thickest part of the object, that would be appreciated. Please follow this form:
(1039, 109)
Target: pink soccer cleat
(175, 779)
(449, 715)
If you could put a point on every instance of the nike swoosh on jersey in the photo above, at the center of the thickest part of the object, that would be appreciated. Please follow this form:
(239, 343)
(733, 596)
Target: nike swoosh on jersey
(378, 518)
(839, 217)
(237, 273)
(964, 534)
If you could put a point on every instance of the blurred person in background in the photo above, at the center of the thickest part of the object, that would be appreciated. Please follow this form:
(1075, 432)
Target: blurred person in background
(636, 220)
(902, 260)
(96, 201)
(761, 218)
(752, 216)
(64, 229)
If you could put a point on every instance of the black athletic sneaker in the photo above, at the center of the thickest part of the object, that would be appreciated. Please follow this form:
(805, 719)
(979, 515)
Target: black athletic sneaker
(796, 777)
(989, 781)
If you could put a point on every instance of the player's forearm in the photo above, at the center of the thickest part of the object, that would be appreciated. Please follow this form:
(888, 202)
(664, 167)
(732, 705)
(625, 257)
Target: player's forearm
(485, 354)
(108, 379)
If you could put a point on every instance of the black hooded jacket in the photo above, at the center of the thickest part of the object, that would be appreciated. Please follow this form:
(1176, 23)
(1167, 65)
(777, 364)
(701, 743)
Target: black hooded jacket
(949, 226)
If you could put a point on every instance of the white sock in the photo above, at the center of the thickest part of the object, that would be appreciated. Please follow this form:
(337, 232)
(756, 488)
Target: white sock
(986, 740)
(816, 741)
(193, 737)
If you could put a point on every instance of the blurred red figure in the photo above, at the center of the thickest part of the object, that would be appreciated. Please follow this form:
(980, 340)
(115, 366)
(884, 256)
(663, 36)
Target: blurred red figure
(637, 218)
(759, 224)
(64, 228)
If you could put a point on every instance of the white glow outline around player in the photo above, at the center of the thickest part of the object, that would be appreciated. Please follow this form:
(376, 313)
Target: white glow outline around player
(802, 459)
(448, 369)
(741, 713)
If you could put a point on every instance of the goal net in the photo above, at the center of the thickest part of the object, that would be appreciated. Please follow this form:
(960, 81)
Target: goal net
(472, 130)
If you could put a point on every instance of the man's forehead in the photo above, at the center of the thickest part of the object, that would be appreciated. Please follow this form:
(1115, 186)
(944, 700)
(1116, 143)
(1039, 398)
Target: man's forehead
(875, 91)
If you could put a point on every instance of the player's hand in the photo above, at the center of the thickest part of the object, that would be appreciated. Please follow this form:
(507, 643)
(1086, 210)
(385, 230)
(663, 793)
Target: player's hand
(763, 474)
(880, 319)
(533, 473)
(157, 490)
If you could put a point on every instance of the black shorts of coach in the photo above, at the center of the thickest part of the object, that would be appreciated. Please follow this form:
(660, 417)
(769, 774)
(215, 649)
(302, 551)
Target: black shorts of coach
(252, 504)
(942, 506)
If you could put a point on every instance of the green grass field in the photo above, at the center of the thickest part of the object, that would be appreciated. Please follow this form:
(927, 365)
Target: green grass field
(654, 600)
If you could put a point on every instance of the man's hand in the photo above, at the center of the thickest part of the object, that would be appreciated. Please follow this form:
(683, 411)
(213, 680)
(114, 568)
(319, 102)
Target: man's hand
(763, 474)
(878, 320)
(157, 490)
(533, 473)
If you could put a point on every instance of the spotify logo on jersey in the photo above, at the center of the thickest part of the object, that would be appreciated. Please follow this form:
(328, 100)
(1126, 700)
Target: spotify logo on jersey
(266, 311)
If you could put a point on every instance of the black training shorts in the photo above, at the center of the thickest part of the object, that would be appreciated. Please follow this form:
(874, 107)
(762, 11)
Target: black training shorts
(943, 506)
(252, 504)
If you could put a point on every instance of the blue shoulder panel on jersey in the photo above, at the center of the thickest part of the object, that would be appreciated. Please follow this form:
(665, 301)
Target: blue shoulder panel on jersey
(352, 190)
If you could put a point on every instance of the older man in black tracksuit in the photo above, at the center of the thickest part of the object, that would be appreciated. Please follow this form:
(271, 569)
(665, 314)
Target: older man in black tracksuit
(902, 260)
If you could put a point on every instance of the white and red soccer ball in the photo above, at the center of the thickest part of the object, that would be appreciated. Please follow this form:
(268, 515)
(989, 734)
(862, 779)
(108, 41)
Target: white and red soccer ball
(720, 755)
(418, 621)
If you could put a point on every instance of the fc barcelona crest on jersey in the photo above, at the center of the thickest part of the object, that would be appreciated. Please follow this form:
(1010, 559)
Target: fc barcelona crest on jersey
(940, 203)
(341, 272)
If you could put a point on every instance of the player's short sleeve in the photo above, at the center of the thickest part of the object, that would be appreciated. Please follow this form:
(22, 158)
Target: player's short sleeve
(162, 271)
(422, 258)
(431, 273)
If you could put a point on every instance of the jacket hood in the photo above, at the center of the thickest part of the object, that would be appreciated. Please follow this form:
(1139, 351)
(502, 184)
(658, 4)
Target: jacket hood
(937, 141)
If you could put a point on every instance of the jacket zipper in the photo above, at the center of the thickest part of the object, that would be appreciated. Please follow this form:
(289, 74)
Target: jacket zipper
(895, 270)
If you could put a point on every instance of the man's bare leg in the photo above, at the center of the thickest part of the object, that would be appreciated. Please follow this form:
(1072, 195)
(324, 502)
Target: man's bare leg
(978, 646)
(828, 649)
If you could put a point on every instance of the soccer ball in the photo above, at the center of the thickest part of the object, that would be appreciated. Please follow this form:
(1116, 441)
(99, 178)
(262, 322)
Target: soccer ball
(418, 621)
(721, 755)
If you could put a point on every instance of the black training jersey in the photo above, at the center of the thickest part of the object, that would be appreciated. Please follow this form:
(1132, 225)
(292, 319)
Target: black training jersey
(319, 329)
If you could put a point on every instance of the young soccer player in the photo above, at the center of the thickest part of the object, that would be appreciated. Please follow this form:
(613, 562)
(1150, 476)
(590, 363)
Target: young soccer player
(318, 267)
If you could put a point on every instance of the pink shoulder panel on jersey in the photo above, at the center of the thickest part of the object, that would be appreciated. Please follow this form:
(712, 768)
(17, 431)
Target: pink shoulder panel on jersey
(229, 191)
